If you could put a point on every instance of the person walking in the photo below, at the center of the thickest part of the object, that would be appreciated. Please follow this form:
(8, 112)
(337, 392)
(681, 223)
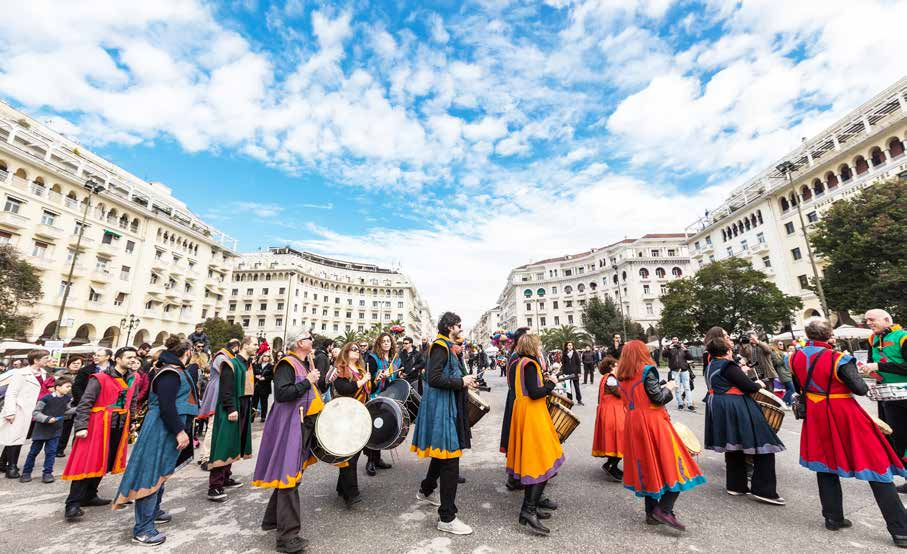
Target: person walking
(588, 359)
(839, 439)
(22, 394)
(571, 368)
(164, 444)
(679, 363)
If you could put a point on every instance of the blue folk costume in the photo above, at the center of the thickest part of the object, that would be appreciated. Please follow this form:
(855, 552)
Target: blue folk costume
(441, 428)
(381, 365)
(155, 457)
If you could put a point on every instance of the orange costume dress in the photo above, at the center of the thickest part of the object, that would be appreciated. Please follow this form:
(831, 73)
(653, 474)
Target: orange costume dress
(608, 440)
(655, 459)
(534, 452)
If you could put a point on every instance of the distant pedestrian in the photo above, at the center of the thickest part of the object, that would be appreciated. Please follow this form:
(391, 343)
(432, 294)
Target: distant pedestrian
(588, 359)
(679, 363)
(571, 367)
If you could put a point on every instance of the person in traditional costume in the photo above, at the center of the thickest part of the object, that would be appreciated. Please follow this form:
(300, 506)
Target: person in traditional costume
(382, 363)
(164, 444)
(284, 452)
(839, 439)
(442, 431)
(657, 465)
(887, 362)
(534, 452)
(231, 433)
(512, 484)
(221, 359)
(735, 426)
(101, 424)
(608, 438)
(349, 379)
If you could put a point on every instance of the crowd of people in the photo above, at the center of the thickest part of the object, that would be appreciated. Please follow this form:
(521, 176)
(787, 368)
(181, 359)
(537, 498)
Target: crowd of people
(181, 402)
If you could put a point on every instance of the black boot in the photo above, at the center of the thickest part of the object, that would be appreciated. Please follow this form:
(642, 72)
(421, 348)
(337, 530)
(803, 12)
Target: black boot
(529, 511)
(513, 484)
(12, 472)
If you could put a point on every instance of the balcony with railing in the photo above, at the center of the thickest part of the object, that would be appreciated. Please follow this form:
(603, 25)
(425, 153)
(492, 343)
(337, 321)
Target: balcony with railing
(47, 231)
(13, 220)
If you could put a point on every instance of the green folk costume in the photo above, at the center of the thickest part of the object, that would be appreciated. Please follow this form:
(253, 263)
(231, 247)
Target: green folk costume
(887, 349)
(231, 441)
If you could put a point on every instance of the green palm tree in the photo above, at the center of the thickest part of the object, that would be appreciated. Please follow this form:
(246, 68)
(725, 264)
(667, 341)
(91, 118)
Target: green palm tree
(373, 332)
(554, 339)
(351, 335)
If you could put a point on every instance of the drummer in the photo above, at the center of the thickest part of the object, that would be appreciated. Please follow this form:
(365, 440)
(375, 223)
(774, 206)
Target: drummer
(657, 466)
(839, 438)
(349, 379)
(735, 426)
(383, 364)
(534, 453)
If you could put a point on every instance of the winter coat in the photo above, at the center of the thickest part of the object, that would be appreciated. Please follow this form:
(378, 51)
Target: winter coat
(21, 398)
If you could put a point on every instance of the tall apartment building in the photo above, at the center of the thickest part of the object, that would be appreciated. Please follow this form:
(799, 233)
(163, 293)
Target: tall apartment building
(760, 220)
(488, 323)
(633, 273)
(143, 253)
(276, 292)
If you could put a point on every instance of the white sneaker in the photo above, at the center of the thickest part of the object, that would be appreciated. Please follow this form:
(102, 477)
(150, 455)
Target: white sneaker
(455, 527)
(430, 499)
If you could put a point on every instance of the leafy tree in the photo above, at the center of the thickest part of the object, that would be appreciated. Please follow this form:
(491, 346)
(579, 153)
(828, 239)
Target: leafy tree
(728, 293)
(20, 288)
(602, 319)
(554, 339)
(220, 332)
(862, 241)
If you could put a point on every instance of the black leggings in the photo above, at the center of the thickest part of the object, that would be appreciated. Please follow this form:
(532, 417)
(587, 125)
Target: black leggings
(11, 455)
(665, 503)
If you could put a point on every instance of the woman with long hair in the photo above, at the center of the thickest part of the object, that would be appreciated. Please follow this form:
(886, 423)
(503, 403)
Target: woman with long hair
(382, 365)
(73, 365)
(534, 453)
(349, 378)
(608, 439)
(657, 465)
(571, 366)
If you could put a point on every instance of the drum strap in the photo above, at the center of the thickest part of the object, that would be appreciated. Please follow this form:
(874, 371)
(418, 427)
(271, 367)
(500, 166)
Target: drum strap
(816, 397)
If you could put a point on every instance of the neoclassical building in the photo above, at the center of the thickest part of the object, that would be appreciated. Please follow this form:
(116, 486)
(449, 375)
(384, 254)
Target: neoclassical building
(143, 254)
(276, 292)
(633, 273)
(760, 220)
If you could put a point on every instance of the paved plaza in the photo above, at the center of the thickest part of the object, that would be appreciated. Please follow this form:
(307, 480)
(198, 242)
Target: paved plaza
(594, 515)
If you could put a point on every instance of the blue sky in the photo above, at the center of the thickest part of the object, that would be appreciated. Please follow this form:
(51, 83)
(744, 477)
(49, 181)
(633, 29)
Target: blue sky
(454, 139)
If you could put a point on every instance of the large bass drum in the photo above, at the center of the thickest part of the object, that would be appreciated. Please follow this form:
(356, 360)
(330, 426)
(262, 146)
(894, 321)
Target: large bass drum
(390, 423)
(404, 393)
(342, 429)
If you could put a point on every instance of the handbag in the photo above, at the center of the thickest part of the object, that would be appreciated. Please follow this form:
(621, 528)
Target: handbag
(799, 400)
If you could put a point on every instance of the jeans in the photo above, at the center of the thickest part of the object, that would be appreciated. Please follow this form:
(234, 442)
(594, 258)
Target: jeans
(447, 472)
(146, 509)
(50, 455)
(788, 392)
(683, 388)
(259, 399)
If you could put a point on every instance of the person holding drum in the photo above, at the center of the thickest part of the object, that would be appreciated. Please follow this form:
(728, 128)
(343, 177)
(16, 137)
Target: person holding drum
(512, 357)
(608, 440)
(735, 426)
(442, 430)
(349, 379)
(382, 365)
(657, 465)
(839, 439)
(534, 453)
(284, 451)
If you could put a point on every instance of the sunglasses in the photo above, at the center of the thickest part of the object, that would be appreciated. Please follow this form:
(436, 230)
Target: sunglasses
(306, 338)
(354, 349)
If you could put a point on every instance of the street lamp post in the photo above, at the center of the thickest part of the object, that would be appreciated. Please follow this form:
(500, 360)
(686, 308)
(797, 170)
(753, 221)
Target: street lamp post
(787, 168)
(129, 325)
(92, 188)
(620, 304)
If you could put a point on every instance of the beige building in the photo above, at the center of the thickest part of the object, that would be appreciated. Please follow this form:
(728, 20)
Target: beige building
(276, 292)
(633, 273)
(142, 254)
(488, 323)
(760, 221)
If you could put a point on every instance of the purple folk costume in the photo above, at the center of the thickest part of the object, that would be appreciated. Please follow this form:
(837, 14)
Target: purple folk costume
(284, 452)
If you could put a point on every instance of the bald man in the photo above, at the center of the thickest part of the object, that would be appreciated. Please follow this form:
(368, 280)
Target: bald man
(888, 358)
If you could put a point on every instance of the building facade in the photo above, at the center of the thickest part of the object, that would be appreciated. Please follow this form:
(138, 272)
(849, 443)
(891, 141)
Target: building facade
(761, 220)
(142, 254)
(633, 273)
(276, 292)
(488, 323)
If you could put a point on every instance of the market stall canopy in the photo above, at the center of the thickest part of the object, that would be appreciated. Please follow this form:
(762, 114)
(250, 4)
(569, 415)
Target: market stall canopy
(851, 332)
(12, 347)
(82, 349)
